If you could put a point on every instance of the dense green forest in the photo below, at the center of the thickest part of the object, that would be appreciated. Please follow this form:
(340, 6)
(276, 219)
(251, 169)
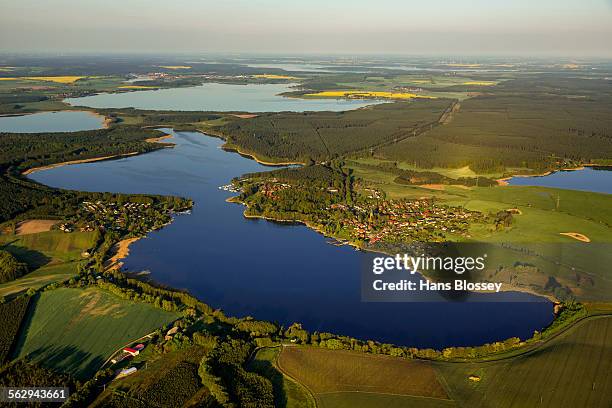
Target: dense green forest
(491, 133)
(11, 316)
(323, 135)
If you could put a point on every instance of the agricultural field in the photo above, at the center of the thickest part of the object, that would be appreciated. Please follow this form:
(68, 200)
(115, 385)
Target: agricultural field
(51, 256)
(338, 378)
(75, 330)
(571, 370)
(368, 95)
(288, 393)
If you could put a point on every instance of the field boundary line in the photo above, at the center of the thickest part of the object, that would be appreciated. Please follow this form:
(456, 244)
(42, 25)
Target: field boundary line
(385, 393)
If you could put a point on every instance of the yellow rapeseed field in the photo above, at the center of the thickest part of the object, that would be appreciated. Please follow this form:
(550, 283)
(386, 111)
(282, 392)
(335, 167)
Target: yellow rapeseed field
(273, 76)
(58, 79)
(369, 94)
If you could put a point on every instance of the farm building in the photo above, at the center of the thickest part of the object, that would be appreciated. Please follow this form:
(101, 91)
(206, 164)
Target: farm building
(131, 351)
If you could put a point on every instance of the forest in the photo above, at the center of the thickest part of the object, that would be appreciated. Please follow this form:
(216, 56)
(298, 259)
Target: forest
(292, 136)
(492, 133)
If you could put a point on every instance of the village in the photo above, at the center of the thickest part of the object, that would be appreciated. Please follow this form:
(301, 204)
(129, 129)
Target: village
(408, 220)
(368, 218)
(136, 217)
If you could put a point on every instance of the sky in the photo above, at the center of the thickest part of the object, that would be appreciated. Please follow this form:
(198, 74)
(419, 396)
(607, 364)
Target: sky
(570, 28)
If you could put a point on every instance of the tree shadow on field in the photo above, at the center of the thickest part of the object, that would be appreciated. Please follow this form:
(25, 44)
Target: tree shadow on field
(67, 359)
(267, 370)
(34, 259)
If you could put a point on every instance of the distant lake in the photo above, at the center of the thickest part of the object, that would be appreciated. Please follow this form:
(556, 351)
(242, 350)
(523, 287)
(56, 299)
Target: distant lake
(63, 121)
(218, 97)
(588, 179)
(283, 273)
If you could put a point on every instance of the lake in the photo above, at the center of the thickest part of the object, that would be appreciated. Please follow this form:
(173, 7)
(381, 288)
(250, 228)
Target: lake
(283, 273)
(63, 121)
(218, 97)
(587, 179)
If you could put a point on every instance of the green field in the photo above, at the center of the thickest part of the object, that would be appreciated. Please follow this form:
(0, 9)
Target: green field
(288, 393)
(339, 378)
(572, 370)
(51, 256)
(74, 330)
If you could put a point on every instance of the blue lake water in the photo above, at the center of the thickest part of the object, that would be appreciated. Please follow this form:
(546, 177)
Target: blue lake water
(588, 179)
(284, 273)
(217, 97)
(64, 121)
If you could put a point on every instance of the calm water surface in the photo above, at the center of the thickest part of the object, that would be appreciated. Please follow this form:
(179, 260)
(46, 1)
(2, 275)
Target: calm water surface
(64, 121)
(285, 273)
(218, 97)
(588, 179)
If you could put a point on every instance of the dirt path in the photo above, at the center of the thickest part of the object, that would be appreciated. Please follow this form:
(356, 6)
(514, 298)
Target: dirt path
(576, 235)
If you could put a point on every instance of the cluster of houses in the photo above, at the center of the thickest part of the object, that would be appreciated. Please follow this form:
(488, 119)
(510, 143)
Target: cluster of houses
(372, 218)
(271, 188)
(110, 215)
(409, 220)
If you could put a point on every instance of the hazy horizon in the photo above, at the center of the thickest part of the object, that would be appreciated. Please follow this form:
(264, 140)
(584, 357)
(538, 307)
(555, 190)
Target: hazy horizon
(547, 28)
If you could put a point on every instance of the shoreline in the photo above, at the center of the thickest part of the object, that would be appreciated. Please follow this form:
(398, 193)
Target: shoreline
(236, 149)
(159, 139)
(506, 287)
(68, 163)
(233, 149)
(121, 251)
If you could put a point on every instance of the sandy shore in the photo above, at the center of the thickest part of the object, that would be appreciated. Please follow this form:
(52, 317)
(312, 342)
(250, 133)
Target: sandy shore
(120, 251)
(159, 139)
(94, 159)
(258, 160)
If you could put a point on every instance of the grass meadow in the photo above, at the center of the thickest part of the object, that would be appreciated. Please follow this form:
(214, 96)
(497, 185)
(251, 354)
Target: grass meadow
(341, 378)
(75, 330)
(572, 370)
